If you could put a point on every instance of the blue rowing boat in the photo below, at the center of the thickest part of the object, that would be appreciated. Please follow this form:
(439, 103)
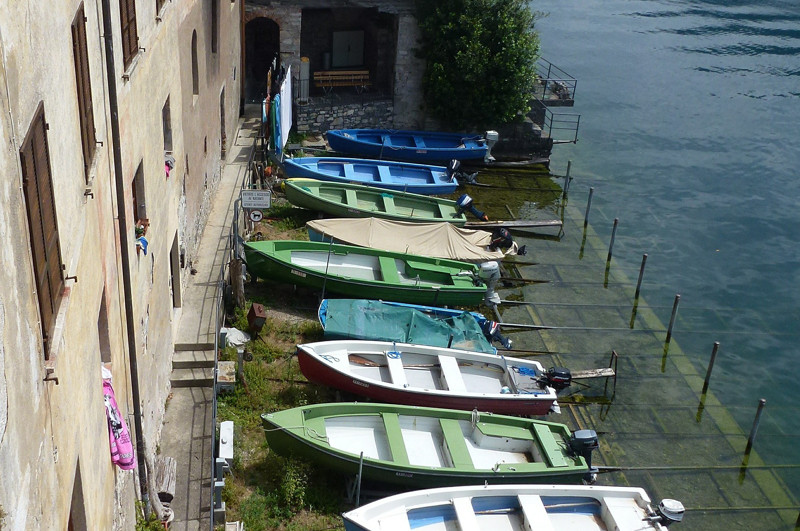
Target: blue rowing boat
(397, 176)
(414, 146)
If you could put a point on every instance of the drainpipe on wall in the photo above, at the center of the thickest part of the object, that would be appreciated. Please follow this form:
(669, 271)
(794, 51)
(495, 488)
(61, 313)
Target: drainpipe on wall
(124, 246)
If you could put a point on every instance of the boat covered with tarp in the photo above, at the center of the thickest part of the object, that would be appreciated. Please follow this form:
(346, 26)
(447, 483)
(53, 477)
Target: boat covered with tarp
(442, 240)
(379, 320)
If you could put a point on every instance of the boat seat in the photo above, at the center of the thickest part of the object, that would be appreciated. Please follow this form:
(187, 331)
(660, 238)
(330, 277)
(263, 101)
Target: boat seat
(552, 449)
(384, 175)
(451, 374)
(535, 514)
(395, 437)
(419, 141)
(389, 270)
(388, 203)
(349, 173)
(467, 521)
(351, 198)
(456, 445)
(396, 371)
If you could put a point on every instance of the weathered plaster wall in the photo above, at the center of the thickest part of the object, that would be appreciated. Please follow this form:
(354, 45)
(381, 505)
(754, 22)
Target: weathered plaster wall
(49, 432)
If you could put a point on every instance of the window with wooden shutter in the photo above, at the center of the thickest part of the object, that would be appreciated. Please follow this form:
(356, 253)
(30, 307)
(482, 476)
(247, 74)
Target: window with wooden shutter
(214, 25)
(159, 5)
(37, 182)
(130, 39)
(84, 87)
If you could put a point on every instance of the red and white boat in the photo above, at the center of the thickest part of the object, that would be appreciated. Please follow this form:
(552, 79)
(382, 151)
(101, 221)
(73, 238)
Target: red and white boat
(422, 375)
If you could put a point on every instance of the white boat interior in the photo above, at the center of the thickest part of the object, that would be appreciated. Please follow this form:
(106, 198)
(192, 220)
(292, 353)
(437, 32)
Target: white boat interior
(510, 508)
(432, 442)
(361, 266)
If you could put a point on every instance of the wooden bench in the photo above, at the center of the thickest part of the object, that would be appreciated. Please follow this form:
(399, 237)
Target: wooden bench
(328, 79)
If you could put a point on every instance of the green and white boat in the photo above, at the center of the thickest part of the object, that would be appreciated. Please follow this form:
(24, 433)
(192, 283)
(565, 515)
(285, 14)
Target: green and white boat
(360, 272)
(428, 447)
(357, 201)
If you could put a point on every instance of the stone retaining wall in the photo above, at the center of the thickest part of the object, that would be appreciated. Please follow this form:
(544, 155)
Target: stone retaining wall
(318, 118)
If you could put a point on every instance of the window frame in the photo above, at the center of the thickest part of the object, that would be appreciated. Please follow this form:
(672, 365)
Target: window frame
(37, 184)
(130, 38)
(83, 87)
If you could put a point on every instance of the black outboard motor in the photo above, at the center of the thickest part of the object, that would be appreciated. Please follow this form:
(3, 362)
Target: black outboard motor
(501, 239)
(491, 329)
(558, 378)
(465, 205)
(454, 172)
(583, 443)
(668, 512)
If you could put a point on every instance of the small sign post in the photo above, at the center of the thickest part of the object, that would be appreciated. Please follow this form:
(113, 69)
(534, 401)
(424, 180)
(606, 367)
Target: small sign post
(256, 199)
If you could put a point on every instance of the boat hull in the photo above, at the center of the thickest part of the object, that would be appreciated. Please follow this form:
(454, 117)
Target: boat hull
(264, 261)
(319, 372)
(509, 507)
(414, 146)
(357, 201)
(302, 432)
(388, 175)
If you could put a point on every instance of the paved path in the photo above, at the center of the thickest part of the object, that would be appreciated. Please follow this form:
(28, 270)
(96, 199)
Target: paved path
(187, 430)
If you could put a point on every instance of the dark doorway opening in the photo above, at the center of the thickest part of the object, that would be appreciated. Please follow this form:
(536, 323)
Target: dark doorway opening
(262, 46)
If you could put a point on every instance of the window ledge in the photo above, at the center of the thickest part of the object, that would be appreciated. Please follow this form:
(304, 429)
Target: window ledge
(57, 336)
(126, 75)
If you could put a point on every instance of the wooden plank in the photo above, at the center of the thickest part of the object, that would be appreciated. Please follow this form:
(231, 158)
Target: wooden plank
(395, 438)
(517, 223)
(534, 512)
(454, 438)
(166, 477)
(550, 448)
(605, 372)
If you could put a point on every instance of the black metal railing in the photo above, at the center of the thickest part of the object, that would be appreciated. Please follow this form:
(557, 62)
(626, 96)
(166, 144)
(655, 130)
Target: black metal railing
(562, 127)
(553, 83)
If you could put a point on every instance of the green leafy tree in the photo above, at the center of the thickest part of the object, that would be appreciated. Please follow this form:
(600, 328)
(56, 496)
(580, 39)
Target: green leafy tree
(480, 57)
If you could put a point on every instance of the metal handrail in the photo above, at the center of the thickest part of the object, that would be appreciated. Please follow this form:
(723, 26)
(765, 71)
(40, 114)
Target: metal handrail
(232, 251)
(562, 127)
(555, 79)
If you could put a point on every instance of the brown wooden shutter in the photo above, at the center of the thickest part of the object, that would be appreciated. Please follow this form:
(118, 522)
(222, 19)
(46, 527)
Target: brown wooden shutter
(130, 39)
(159, 5)
(84, 87)
(38, 188)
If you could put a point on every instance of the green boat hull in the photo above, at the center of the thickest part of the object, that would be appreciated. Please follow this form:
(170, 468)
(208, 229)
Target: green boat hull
(355, 201)
(359, 273)
(303, 432)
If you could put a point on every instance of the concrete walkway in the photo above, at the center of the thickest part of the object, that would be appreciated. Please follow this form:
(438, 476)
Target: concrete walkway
(187, 431)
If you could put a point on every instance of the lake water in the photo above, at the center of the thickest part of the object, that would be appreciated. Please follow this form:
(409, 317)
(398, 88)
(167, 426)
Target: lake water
(690, 135)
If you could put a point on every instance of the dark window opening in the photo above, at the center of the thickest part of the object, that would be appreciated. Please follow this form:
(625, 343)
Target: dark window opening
(137, 186)
(214, 25)
(166, 122)
(195, 72)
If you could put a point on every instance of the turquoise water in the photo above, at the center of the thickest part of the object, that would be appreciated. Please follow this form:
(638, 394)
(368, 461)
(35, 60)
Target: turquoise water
(690, 136)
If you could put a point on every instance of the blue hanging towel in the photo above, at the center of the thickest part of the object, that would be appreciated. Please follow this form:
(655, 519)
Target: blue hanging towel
(276, 110)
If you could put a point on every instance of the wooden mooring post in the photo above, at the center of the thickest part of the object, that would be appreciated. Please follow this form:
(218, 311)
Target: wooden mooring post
(641, 276)
(588, 207)
(710, 366)
(613, 236)
(672, 317)
(761, 403)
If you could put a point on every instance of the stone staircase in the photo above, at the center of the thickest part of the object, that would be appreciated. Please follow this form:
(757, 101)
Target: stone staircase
(193, 365)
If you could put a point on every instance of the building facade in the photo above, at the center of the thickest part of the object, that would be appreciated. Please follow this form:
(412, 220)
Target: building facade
(99, 149)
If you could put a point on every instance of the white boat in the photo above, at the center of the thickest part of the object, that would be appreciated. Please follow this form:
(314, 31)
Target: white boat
(516, 508)
(423, 375)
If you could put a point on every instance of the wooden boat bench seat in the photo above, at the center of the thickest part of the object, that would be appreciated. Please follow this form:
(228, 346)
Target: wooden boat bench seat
(465, 514)
(451, 374)
(389, 269)
(419, 141)
(396, 371)
(328, 79)
(395, 437)
(456, 445)
(549, 445)
(534, 512)
(349, 173)
(389, 205)
(351, 197)
(384, 175)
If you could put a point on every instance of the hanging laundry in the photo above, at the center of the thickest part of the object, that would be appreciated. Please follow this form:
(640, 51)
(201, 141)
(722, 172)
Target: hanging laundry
(119, 437)
(141, 243)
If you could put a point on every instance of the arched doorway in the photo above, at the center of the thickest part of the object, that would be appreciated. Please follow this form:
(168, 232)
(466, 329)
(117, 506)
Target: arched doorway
(262, 45)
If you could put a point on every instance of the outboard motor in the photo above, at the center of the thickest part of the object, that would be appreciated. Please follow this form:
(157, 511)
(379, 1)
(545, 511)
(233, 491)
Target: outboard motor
(490, 274)
(583, 443)
(491, 139)
(454, 172)
(668, 512)
(465, 205)
(558, 378)
(491, 329)
(501, 239)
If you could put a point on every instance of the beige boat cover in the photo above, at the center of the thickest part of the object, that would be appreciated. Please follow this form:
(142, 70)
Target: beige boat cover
(439, 240)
